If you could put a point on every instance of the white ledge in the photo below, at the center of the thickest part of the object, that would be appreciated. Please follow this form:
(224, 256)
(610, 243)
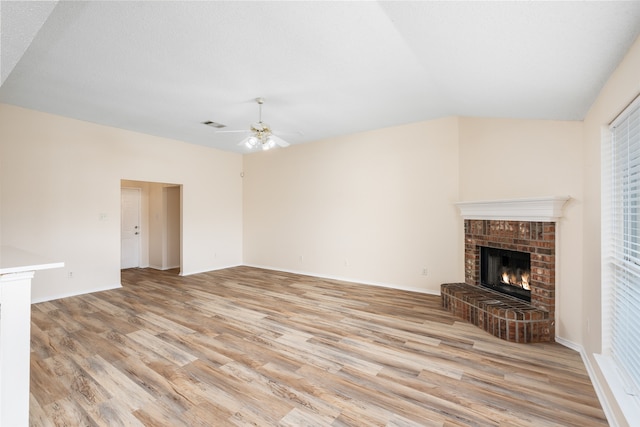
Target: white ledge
(539, 209)
(14, 260)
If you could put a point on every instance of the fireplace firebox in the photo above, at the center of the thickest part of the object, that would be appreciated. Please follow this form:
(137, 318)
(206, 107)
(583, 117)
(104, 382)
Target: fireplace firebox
(506, 271)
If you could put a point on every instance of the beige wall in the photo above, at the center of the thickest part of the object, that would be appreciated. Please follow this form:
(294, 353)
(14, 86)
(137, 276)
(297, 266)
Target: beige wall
(156, 228)
(59, 176)
(375, 207)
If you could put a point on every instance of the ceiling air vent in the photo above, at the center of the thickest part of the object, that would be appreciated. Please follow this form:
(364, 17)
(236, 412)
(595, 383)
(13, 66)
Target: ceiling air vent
(214, 124)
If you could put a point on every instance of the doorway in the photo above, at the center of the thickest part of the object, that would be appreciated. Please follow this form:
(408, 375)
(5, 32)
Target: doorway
(160, 225)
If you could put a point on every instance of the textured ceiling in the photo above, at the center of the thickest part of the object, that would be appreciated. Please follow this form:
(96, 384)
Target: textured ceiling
(324, 68)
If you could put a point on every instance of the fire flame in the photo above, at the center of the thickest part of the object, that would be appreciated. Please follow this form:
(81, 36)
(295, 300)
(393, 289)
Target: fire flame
(512, 279)
(505, 278)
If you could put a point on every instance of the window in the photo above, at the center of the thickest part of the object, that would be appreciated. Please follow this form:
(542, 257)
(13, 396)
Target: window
(621, 257)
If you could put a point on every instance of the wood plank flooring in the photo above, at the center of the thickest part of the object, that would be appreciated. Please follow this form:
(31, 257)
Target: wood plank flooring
(246, 346)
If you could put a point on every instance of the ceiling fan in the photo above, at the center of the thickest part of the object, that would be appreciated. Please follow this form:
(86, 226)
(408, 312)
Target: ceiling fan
(261, 135)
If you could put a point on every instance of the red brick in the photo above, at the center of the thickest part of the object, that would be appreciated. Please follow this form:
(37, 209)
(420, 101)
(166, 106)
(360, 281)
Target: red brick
(537, 238)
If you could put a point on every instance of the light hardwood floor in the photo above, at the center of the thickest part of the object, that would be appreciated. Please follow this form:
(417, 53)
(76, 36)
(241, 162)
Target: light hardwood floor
(246, 346)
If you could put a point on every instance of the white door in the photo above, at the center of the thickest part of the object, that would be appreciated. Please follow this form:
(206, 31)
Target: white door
(130, 228)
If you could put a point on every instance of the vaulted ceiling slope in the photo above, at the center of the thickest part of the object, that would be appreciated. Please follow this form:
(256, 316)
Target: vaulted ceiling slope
(324, 68)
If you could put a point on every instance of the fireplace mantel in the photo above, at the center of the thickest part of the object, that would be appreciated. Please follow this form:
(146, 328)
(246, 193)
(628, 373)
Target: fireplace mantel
(542, 209)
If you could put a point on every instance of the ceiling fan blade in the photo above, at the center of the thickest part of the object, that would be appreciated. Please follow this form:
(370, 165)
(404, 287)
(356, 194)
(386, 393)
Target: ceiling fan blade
(290, 132)
(279, 141)
(244, 141)
(231, 131)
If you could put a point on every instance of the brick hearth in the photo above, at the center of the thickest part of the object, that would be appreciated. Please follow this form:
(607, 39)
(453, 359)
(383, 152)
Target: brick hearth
(502, 316)
(516, 320)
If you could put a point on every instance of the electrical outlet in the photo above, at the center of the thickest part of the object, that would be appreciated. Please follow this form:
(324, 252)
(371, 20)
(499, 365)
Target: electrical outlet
(425, 271)
(346, 262)
(301, 258)
(70, 275)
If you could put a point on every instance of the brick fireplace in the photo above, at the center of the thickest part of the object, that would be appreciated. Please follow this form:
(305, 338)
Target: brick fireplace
(535, 238)
(524, 225)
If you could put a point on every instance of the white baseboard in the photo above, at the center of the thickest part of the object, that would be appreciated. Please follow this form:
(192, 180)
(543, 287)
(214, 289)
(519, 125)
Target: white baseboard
(189, 273)
(597, 385)
(155, 267)
(350, 280)
(74, 294)
(571, 345)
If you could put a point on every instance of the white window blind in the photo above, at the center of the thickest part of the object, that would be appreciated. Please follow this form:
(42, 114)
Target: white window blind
(623, 292)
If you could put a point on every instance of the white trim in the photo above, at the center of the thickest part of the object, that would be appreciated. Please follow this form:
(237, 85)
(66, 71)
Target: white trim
(15, 260)
(189, 273)
(542, 209)
(156, 267)
(307, 273)
(628, 404)
(75, 294)
(570, 344)
(350, 280)
(620, 117)
(597, 385)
